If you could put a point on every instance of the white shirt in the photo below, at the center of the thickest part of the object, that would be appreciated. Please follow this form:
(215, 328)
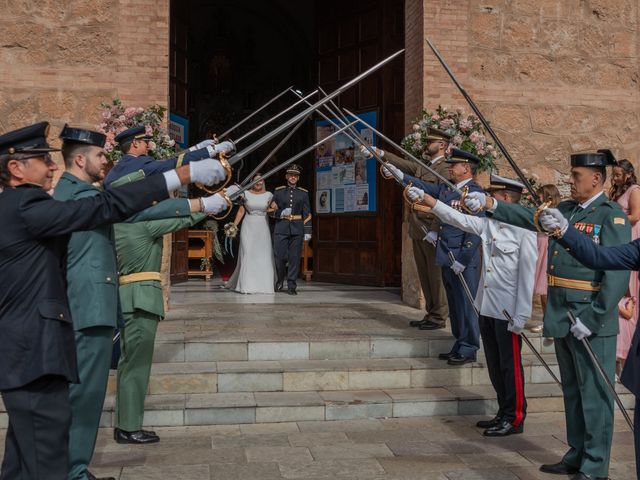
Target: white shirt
(509, 256)
(591, 200)
(437, 159)
(461, 184)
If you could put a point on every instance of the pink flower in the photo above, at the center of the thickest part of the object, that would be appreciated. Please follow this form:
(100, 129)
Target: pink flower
(474, 137)
(106, 114)
(446, 123)
(139, 110)
(416, 127)
(171, 142)
(457, 139)
(122, 118)
(108, 147)
(435, 117)
(130, 112)
(480, 151)
(148, 129)
(152, 145)
(111, 137)
(416, 136)
(465, 125)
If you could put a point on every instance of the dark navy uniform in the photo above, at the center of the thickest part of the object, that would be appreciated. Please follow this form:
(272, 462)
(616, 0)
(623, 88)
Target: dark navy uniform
(37, 342)
(465, 249)
(290, 230)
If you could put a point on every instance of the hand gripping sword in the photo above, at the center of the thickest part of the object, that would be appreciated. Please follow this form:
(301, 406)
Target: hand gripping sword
(236, 195)
(603, 374)
(533, 349)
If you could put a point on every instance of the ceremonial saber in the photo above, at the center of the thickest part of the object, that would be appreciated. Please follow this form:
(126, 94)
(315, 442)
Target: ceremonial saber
(352, 133)
(486, 125)
(275, 150)
(240, 155)
(603, 374)
(465, 286)
(275, 117)
(236, 195)
(533, 349)
(446, 181)
(284, 92)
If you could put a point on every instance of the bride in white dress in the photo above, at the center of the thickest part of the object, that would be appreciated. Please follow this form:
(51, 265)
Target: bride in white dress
(254, 271)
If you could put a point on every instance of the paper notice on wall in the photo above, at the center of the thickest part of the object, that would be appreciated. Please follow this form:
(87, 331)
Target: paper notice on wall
(323, 201)
(362, 197)
(323, 180)
(349, 198)
(337, 175)
(338, 200)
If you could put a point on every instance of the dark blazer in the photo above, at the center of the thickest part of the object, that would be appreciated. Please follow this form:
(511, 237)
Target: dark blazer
(36, 330)
(149, 165)
(464, 246)
(618, 257)
(298, 200)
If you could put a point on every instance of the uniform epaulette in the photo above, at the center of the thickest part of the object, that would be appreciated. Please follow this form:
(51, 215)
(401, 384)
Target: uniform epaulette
(303, 189)
(281, 187)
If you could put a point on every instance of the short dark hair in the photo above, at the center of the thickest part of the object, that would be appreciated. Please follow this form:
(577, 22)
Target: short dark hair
(474, 168)
(514, 196)
(126, 146)
(4, 161)
(602, 171)
(71, 149)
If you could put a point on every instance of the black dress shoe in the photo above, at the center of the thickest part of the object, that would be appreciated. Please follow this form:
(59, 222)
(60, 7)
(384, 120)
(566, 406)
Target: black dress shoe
(91, 476)
(446, 356)
(584, 476)
(279, 286)
(489, 423)
(458, 359)
(140, 437)
(292, 291)
(558, 469)
(417, 323)
(503, 429)
(429, 325)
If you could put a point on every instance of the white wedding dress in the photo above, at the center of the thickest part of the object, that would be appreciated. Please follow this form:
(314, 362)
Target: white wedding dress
(254, 271)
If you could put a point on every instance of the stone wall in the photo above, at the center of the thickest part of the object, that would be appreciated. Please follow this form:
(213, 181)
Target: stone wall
(61, 58)
(552, 77)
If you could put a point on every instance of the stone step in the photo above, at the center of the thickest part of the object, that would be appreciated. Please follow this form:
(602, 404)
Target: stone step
(174, 347)
(323, 375)
(269, 407)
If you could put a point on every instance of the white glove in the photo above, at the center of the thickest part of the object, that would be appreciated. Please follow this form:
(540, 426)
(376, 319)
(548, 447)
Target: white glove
(389, 171)
(551, 219)
(227, 147)
(367, 154)
(580, 330)
(431, 237)
(517, 326)
(207, 172)
(285, 213)
(415, 194)
(457, 267)
(202, 144)
(231, 189)
(475, 201)
(307, 237)
(215, 204)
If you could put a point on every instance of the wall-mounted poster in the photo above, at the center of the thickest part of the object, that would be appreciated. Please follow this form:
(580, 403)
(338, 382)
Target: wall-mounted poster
(345, 179)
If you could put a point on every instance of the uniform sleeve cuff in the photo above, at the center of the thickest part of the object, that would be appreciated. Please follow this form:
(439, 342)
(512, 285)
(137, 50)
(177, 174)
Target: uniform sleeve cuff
(173, 181)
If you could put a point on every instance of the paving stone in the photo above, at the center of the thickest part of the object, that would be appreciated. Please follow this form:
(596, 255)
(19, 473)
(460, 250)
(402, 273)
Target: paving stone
(478, 407)
(254, 366)
(279, 351)
(341, 426)
(481, 474)
(355, 397)
(221, 400)
(356, 450)
(379, 379)
(281, 455)
(335, 350)
(367, 410)
(310, 381)
(289, 414)
(215, 352)
(251, 471)
(494, 459)
(440, 377)
(183, 383)
(168, 352)
(387, 436)
(428, 467)
(420, 409)
(219, 416)
(249, 382)
(329, 469)
(281, 399)
(319, 438)
(420, 394)
(390, 348)
(270, 428)
(153, 472)
(244, 441)
(164, 418)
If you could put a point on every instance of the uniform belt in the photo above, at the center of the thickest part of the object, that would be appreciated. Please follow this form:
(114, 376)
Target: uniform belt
(139, 277)
(293, 217)
(586, 285)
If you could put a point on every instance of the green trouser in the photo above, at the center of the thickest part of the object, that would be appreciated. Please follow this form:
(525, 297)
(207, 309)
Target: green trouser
(93, 347)
(136, 342)
(588, 405)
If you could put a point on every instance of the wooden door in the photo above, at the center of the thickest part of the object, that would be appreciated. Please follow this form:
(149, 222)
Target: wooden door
(352, 35)
(179, 103)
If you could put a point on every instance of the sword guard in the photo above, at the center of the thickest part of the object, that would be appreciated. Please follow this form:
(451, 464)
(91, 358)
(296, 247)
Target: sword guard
(222, 158)
(536, 221)
(223, 192)
(384, 175)
(463, 195)
(416, 206)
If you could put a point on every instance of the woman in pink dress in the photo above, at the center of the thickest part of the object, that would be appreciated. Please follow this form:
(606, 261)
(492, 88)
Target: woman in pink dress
(627, 318)
(626, 191)
(547, 193)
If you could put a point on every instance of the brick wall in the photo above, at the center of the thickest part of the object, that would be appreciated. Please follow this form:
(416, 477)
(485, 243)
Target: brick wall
(61, 58)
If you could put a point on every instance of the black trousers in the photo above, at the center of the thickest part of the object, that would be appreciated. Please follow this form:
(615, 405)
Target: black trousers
(502, 350)
(287, 249)
(36, 445)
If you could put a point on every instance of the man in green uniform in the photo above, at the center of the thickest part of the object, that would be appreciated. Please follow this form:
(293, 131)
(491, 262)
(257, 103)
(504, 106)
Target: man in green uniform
(593, 296)
(92, 288)
(424, 228)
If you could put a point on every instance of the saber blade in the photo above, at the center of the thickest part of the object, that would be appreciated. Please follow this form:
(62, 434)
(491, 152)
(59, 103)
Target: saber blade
(603, 374)
(240, 155)
(533, 349)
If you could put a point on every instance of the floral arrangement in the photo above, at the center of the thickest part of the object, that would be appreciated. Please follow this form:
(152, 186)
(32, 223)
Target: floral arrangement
(466, 133)
(116, 117)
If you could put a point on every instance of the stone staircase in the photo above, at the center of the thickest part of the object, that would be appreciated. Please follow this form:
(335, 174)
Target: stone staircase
(227, 363)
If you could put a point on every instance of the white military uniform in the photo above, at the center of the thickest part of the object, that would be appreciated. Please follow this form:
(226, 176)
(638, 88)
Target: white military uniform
(509, 257)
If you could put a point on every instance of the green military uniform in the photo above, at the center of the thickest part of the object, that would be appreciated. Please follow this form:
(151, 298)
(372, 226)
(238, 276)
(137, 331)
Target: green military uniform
(593, 296)
(92, 290)
(139, 250)
(425, 253)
